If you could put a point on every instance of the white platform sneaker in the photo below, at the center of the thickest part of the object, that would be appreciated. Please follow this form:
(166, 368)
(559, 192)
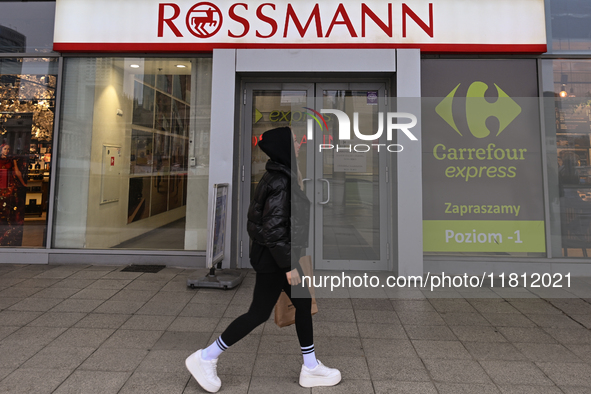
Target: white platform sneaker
(321, 375)
(204, 372)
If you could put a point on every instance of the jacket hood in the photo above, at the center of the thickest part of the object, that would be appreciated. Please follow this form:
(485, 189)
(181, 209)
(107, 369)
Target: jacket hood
(278, 145)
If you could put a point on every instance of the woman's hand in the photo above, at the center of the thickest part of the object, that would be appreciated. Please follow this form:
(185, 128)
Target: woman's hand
(293, 277)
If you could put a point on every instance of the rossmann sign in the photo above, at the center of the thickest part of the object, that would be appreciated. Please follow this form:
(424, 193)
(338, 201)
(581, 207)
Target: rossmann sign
(178, 26)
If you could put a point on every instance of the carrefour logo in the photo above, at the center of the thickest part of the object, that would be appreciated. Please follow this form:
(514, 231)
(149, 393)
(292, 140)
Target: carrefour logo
(478, 110)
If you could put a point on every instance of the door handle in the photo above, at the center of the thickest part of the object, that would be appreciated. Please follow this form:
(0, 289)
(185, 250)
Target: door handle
(327, 192)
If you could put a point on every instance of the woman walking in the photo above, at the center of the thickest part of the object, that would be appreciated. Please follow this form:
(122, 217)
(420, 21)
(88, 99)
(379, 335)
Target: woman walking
(278, 238)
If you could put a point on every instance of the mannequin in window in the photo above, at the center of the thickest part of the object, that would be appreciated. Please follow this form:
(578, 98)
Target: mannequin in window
(12, 213)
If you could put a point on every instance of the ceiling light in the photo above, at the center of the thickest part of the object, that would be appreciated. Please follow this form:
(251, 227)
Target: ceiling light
(181, 66)
(134, 65)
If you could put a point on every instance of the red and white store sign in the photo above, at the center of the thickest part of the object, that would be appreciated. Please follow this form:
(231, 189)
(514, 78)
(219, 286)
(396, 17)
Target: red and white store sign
(190, 25)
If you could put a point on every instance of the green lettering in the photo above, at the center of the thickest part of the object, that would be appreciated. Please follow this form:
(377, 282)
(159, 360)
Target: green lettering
(435, 152)
(491, 171)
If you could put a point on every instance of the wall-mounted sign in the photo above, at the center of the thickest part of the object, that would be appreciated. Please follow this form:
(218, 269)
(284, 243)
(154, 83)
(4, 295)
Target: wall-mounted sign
(482, 161)
(190, 25)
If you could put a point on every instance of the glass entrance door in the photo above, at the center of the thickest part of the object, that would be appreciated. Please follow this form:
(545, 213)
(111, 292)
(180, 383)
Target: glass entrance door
(347, 191)
(350, 198)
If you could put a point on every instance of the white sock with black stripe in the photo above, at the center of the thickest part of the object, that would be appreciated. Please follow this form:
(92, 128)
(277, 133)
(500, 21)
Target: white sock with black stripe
(309, 357)
(214, 350)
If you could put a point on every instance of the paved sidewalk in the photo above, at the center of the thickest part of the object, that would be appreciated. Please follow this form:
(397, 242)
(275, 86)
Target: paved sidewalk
(94, 329)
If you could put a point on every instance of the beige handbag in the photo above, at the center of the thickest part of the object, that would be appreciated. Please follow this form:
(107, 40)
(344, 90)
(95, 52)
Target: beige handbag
(284, 309)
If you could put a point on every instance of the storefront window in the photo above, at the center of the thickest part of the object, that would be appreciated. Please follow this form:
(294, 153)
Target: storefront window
(27, 26)
(572, 160)
(570, 25)
(27, 103)
(134, 154)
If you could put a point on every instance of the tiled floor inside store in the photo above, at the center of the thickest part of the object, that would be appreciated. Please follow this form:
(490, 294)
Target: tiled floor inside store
(94, 329)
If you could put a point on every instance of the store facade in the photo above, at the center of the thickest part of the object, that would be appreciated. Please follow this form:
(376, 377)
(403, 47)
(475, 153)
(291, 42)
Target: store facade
(130, 117)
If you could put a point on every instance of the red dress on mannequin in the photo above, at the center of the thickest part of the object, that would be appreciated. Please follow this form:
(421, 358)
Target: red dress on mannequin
(11, 216)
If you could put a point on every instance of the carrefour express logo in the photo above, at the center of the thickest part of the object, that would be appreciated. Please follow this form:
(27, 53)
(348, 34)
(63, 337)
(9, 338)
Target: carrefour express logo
(478, 110)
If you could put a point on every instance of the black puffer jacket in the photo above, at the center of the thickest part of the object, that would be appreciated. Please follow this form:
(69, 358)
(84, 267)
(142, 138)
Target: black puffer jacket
(278, 216)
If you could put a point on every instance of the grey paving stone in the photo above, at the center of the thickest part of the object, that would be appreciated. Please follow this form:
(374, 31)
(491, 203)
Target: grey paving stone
(35, 304)
(409, 369)
(434, 333)
(70, 305)
(230, 384)
(133, 295)
(82, 337)
(165, 361)
(329, 346)
(347, 387)
(390, 348)
(172, 297)
(203, 310)
(515, 372)
(133, 339)
(122, 275)
(145, 285)
(250, 344)
(33, 336)
(13, 355)
(233, 311)
(441, 350)
(121, 307)
(508, 320)
(284, 365)
(102, 320)
(353, 368)
(34, 282)
(71, 283)
(17, 318)
(274, 385)
(420, 318)
(88, 274)
(336, 315)
(213, 296)
(478, 334)
(146, 322)
(412, 305)
(554, 321)
(55, 292)
(19, 292)
(452, 305)
(109, 284)
(342, 329)
(114, 360)
(568, 374)
(393, 386)
(374, 330)
(38, 381)
(575, 390)
(93, 382)
(94, 294)
(194, 324)
(160, 308)
(493, 306)
(373, 316)
(570, 336)
(7, 330)
(535, 306)
(526, 334)
(238, 364)
(4, 372)
(582, 351)
(57, 319)
(584, 320)
(182, 341)
(572, 306)
(56, 273)
(6, 302)
(65, 358)
(372, 304)
(7, 282)
(460, 388)
(457, 371)
(544, 352)
(334, 303)
(494, 351)
(464, 319)
(521, 389)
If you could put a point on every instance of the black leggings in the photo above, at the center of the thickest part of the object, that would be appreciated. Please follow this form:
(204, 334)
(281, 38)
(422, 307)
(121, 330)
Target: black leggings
(266, 292)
